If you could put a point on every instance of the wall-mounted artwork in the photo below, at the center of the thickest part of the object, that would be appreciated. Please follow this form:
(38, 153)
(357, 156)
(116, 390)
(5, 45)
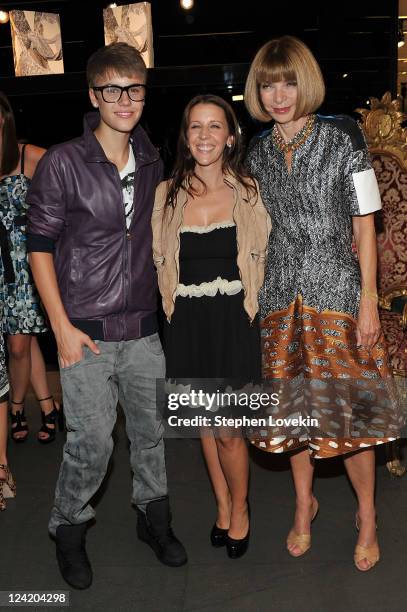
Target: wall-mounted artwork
(131, 23)
(37, 44)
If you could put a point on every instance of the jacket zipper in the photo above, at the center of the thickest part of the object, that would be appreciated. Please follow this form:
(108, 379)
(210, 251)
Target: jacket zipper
(127, 235)
(137, 168)
(127, 238)
(125, 254)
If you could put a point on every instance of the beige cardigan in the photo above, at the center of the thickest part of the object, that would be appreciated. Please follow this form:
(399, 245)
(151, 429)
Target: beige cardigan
(252, 229)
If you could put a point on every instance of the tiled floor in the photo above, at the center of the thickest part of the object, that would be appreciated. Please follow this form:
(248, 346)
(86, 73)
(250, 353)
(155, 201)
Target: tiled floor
(127, 576)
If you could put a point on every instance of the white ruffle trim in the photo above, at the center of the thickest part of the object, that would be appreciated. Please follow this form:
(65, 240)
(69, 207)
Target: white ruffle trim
(210, 289)
(204, 229)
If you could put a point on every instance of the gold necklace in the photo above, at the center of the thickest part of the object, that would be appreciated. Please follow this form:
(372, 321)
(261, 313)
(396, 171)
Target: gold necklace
(299, 138)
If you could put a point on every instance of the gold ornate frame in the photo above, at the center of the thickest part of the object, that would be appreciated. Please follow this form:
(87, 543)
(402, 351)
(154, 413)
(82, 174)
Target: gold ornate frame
(381, 124)
(384, 134)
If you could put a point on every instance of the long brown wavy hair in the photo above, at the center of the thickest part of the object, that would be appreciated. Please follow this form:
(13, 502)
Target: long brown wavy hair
(184, 168)
(9, 151)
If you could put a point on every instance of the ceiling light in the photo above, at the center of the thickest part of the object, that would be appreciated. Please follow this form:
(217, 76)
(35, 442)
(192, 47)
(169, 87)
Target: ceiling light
(4, 17)
(187, 4)
(345, 74)
(238, 98)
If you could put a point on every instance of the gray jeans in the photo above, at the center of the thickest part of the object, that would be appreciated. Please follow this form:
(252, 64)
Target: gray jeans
(126, 372)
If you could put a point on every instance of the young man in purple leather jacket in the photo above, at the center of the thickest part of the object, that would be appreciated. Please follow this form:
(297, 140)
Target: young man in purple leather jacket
(89, 238)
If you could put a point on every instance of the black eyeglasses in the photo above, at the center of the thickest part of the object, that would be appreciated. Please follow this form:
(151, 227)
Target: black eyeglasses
(113, 93)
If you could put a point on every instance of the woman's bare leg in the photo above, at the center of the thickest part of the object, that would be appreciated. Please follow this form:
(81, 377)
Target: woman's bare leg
(3, 437)
(19, 347)
(217, 477)
(38, 376)
(234, 461)
(39, 383)
(361, 471)
(303, 473)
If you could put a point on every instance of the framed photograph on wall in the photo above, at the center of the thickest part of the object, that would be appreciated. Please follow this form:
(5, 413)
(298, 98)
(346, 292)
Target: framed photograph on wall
(37, 43)
(131, 23)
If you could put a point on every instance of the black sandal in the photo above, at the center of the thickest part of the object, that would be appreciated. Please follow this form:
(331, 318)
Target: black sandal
(18, 423)
(55, 417)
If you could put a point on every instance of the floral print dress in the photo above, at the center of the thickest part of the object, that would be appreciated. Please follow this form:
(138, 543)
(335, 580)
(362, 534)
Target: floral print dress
(22, 313)
(4, 386)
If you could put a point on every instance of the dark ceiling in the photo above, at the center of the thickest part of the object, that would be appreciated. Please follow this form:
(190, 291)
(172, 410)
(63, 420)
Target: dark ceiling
(206, 49)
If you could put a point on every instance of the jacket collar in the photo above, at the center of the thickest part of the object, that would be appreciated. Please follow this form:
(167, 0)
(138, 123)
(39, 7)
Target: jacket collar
(237, 186)
(144, 151)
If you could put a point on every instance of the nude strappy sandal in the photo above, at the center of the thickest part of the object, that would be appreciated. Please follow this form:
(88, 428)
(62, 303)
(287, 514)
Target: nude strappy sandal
(370, 553)
(303, 540)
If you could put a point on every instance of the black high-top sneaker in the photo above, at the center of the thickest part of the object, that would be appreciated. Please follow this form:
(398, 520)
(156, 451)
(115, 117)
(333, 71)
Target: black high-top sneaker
(154, 528)
(72, 557)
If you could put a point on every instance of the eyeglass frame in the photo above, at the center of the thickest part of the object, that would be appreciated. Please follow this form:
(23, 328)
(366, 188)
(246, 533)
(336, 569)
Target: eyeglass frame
(101, 88)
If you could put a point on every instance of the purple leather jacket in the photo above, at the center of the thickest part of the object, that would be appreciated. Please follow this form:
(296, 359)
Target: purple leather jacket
(105, 273)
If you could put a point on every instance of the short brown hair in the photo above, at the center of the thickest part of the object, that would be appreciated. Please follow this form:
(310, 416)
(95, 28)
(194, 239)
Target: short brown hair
(285, 59)
(119, 58)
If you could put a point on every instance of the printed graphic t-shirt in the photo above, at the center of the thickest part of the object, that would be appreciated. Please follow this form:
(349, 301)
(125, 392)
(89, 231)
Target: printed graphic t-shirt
(127, 180)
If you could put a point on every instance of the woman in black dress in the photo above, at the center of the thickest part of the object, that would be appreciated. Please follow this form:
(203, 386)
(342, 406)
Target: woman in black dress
(210, 232)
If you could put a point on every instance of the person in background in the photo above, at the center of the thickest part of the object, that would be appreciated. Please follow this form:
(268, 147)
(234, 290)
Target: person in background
(22, 315)
(7, 484)
(210, 232)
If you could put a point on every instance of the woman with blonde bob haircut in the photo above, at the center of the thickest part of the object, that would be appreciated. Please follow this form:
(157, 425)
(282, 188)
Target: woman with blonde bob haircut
(318, 303)
(285, 59)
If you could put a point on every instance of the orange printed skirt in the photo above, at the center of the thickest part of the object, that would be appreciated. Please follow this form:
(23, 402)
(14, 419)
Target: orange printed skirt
(312, 360)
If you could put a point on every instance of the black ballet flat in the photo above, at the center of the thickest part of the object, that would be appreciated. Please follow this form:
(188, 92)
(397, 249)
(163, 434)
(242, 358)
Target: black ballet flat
(237, 548)
(218, 536)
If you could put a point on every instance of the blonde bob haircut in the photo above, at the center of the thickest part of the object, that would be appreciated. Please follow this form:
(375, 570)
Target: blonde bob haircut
(285, 59)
